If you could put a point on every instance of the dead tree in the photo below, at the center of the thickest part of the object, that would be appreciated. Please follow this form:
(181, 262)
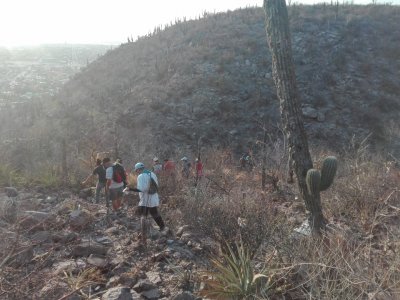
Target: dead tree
(278, 37)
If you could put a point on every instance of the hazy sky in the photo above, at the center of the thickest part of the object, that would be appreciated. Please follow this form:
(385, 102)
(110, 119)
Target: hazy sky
(30, 22)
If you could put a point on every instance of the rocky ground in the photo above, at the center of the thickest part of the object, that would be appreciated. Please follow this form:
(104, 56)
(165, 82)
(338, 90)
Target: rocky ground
(77, 250)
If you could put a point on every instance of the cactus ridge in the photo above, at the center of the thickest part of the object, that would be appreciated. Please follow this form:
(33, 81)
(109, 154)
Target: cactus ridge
(328, 172)
(313, 181)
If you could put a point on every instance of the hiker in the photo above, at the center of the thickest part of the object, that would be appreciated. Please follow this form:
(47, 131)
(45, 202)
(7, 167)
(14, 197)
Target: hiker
(157, 166)
(147, 185)
(186, 167)
(116, 179)
(246, 161)
(199, 168)
(169, 166)
(100, 172)
(118, 163)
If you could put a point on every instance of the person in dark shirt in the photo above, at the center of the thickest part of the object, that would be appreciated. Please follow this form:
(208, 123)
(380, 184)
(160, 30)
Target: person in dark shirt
(100, 172)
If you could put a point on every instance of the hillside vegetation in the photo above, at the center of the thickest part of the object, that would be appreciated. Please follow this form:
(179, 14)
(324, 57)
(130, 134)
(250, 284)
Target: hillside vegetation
(211, 79)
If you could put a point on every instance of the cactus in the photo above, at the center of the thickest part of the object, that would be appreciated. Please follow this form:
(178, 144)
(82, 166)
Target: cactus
(320, 181)
(328, 172)
(313, 181)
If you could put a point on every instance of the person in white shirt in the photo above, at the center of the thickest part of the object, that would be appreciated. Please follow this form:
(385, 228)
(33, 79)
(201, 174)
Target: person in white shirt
(149, 200)
(157, 166)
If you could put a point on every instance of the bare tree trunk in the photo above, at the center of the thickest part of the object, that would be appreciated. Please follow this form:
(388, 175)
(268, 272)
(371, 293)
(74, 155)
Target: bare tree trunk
(64, 169)
(264, 161)
(278, 36)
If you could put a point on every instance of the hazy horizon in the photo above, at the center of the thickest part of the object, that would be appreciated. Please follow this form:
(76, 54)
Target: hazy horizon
(99, 22)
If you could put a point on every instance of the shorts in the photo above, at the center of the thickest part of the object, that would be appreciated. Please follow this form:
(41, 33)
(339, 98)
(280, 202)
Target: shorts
(116, 193)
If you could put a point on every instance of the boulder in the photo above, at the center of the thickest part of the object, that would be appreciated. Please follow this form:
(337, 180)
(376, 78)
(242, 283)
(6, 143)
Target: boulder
(154, 277)
(151, 294)
(85, 193)
(98, 261)
(68, 266)
(79, 220)
(182, 229)
(22, 258)
(54, 289)
(36, 220)
(309, 112)
(89, 247)
(144, 285)
(184, 296)
(120, 293)
(11, 191)
(41, 237)
(321, 117)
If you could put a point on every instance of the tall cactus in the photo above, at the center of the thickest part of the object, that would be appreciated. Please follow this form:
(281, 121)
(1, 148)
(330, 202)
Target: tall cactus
(328, 172)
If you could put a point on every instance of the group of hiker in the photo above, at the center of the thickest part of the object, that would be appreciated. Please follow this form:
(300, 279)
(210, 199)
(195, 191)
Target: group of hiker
(112, 178)
(169, 167)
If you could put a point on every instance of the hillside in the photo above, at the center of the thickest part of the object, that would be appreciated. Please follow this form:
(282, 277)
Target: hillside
(211, 79)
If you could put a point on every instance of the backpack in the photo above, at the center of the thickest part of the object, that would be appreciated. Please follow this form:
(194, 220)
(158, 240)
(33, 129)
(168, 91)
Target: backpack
(153, 188)
(119, 174)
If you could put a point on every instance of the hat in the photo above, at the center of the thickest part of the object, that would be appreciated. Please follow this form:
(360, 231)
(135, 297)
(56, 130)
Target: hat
(184, 158)
(138, 166)
(155, 158)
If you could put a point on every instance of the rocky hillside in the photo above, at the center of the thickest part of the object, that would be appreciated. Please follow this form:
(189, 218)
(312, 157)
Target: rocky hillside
(211, 79)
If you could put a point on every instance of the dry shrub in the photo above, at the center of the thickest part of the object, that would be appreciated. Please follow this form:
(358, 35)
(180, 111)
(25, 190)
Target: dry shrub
(331, 267)
(228, 217)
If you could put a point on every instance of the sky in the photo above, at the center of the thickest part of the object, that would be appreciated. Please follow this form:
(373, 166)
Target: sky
(33, 22)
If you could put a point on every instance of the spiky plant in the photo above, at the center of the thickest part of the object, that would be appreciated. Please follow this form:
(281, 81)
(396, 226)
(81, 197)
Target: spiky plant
(235, 278)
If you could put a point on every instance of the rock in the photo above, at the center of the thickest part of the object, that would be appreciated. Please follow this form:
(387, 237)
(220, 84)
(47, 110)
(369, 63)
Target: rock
(187, 236)
(154, 277)
(184, 296)
(89, 247)
(23, 257)
(321, 117)
(41, 237)
(64, 237)
(121, 268)
(151, 294)
(51, 199)
(112, 282)
(128, 279)
(119, 293)
(233, 132)
(144, 285)
(104, 240)
(112, 230)
(309, 112)
(182, 229)
(85, 193)
(54, 289)
(36, 220)
(79, 220)
(69, 266)
(11, 191)
(98, 261)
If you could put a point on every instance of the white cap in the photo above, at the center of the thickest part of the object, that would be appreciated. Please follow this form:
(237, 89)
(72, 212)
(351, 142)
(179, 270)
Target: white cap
(155, 158)
(184, 158)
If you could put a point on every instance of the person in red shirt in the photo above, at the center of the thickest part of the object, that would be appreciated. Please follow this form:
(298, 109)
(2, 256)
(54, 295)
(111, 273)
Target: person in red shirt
(199, 168)
(169, 166)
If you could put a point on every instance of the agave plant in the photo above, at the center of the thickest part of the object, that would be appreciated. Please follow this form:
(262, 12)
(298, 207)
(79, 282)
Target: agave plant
(235, 278)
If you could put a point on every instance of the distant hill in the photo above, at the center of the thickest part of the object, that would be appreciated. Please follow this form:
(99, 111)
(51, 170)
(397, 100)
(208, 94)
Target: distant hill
(211, 78)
